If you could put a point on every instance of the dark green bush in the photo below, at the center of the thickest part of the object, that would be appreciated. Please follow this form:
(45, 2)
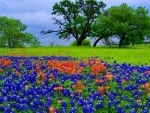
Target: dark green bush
(85, 42)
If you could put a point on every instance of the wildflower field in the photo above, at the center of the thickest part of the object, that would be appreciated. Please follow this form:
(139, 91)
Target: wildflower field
(75, 80)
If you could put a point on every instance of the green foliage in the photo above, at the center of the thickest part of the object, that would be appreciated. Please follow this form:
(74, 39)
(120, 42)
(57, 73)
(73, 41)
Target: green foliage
(35, 42)
(73, 43)
(77, 19)
(126, 42)
(12, 33)
(85, 42)
(125, 22)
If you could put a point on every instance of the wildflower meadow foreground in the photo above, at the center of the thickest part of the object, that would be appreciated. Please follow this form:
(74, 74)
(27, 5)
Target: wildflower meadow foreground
(62, 84)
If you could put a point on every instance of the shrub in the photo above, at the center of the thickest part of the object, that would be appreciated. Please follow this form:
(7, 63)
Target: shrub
(85, 42)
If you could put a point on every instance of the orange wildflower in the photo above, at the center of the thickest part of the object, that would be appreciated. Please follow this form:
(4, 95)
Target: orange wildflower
(79, 82)
(147, 86)
(17, 72)
(101, 89)
(79, 91)
(59, 101)
(107, 87)
(92, 73)
(148, 72)
(31, 71)
(58, 88)
(51, 76)
(73, 86)
(72, 95)
(96, 80)
(43, 77)
(108, 76)
(38, 81)
(101, 81)
(52, 109)
(1, 70)
(135, 71)
(123, 80)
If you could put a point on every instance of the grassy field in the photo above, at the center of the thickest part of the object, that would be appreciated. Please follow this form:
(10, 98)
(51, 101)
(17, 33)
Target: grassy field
(46, 86)
(136, 55)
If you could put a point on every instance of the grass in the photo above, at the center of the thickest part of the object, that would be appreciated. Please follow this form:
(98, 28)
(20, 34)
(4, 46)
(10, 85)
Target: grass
(136, 55)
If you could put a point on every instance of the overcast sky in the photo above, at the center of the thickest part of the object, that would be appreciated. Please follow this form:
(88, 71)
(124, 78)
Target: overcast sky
(36, 14)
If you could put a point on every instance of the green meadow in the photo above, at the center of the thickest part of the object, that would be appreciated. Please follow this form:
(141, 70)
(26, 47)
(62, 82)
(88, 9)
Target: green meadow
(136, 55)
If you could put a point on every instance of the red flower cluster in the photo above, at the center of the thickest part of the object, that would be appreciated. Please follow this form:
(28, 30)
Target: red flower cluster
(58, 88)
(78, 86)
(52, 109)
(148, 72)
(5, 62)
(146, 87)
(108, 76)
(102, 89)
(97, 68)
(65, 67)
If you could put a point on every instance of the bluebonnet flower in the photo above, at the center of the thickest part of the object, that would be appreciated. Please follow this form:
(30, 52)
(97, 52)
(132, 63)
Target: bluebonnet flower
(99, 105)
(72, 103)
(145, 110)
(127, 106)
(2, 107)
(64, 104)
(133, 111)
(109, 104)
(73, 110)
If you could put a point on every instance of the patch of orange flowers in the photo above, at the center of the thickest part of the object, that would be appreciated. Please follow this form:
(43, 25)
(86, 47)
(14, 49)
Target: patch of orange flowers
(78, 86)
(148, 72)
(65, 67)
(97, 68)
(99, 81)
(108, 76)
(5, 62)
(58, 88)
(101, 89)
(52, 109)
(146, 87)
(51, 76)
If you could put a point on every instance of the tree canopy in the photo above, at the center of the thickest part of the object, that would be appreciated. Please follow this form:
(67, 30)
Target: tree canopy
(12, 33)
(77, 18)
(127, 23)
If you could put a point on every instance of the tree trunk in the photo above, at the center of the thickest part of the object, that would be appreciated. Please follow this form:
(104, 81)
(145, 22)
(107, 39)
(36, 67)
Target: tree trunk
(121, 40)
(95, 43)
(79, 42)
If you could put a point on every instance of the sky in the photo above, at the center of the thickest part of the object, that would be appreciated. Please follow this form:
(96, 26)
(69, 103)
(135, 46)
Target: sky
(36, 14)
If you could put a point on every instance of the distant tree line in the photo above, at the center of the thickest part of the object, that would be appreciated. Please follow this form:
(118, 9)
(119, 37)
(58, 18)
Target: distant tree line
(89, 18)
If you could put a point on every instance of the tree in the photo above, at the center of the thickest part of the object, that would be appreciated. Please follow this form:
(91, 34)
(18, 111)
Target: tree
(100, 30)
(12, 33)
(127, 23)
(35, 42)
(78, 18)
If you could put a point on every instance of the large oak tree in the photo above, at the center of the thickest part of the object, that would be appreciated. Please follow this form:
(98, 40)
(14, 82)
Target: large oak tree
(77, 18)
(127, 23)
